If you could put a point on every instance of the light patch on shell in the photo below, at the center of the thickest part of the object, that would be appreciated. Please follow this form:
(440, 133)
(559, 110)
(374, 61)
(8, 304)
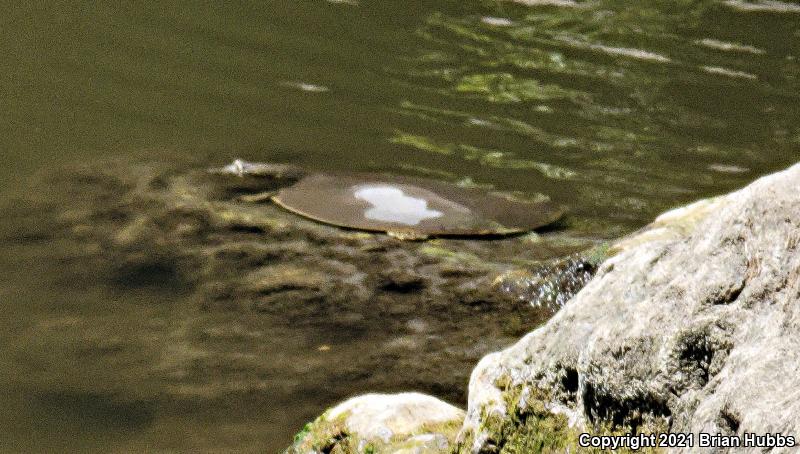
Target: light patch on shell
(390, 204)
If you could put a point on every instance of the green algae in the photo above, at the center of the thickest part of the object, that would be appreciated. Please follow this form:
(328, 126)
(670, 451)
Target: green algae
(332, 436)
(300, 436)
(486, 157)
(323, 435)
(506, 88)
(421, 143)
(529, 427)
(504, 160)
(427, 171)
(433, 250)
(459, 29)
(598, 254)
(496, 123)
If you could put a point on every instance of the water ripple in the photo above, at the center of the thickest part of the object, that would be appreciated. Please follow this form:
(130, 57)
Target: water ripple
(619, 51)
(728, 46)
(729, 72)
(635, 106)
(771, 6)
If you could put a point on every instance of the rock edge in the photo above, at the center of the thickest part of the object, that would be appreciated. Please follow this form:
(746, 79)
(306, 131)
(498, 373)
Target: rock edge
(691, 325)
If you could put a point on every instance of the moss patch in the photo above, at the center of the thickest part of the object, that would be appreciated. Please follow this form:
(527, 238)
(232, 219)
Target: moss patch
(433, 250)
(332, 436)
(323, 435)
(529, 427)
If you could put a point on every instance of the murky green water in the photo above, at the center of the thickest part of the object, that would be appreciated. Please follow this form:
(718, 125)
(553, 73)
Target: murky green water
(618, 110)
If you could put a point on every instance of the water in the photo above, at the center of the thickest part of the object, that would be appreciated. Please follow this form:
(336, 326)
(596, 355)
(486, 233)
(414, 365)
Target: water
(617, 110)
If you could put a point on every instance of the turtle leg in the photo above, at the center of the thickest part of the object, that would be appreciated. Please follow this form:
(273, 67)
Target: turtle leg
(407, 235)
(259, 197)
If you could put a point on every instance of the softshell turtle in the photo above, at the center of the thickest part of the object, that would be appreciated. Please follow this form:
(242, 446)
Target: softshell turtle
(403, 207)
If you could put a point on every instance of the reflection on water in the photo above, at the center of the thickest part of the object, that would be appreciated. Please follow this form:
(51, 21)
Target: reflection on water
(622, 97)
(773, 6)
(311, 88)
(727, 46)
(390, 204)
(616, 109)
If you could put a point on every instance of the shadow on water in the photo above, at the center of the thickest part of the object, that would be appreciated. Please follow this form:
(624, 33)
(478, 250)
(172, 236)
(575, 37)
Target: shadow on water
(152, 274)
(94, 410)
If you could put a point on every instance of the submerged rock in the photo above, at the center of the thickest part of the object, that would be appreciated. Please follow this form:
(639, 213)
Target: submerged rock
(218, 299)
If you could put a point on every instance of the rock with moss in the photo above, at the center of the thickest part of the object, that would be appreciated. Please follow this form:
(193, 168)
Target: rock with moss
(402, 423)
(690, 326)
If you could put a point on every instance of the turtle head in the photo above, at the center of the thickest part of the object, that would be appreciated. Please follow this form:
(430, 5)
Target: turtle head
(242, 168)
(241, 177)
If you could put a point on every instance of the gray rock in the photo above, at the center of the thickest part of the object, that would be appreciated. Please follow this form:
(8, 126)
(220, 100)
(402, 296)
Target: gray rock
(382, 423)
(693, 325)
